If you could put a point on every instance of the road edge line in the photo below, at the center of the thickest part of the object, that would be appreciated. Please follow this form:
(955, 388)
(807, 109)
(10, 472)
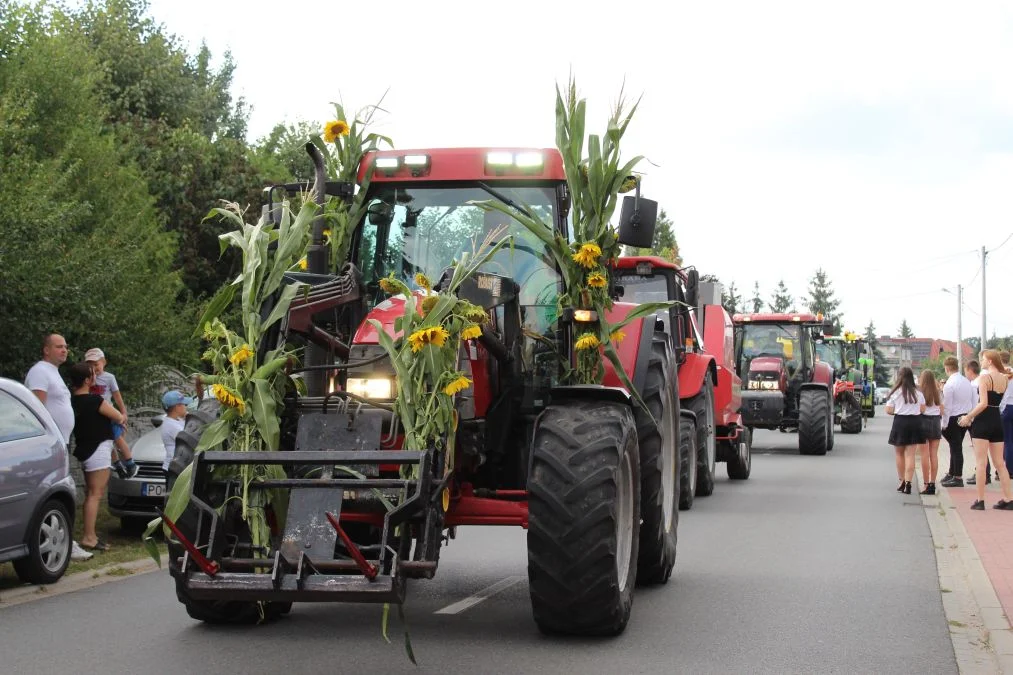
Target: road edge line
(981, 634)
(78, 581)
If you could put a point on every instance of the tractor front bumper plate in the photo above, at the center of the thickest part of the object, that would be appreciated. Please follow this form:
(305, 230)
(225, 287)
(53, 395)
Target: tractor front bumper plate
(762, 408)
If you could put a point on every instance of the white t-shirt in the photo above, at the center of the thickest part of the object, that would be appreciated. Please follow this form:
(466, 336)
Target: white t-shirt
(170, 427)
(958, 397)
(44, 376)
(901, 407)
(105, 385)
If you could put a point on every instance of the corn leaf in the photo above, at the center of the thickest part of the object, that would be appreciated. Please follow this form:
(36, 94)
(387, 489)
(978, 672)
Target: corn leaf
(219, 303)
(263, 406)
(150, 545)
(214, 435)
(280, 308)
(179, 497)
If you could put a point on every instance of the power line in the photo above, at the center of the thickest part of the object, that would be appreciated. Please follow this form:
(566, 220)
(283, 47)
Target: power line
(933, 262)
(1002, 244)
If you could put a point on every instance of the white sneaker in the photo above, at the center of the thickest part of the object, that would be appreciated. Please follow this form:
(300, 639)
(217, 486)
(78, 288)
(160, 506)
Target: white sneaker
(78, 553)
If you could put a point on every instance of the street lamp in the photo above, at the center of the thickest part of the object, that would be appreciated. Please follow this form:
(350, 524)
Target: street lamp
(960, 336)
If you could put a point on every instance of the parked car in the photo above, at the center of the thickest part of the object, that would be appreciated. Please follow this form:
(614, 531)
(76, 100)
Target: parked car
(37, 492)
(133, 500)
(882, 393)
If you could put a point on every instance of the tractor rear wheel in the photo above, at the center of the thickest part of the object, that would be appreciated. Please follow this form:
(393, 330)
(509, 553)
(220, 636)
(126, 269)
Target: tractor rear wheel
(813, 418)
(702, 406)
(853, 418)
(584, 517)
(740, 461)
(687, 463)
(659, 468)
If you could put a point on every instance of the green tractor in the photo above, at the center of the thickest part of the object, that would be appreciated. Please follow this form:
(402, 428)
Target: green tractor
(837, 351)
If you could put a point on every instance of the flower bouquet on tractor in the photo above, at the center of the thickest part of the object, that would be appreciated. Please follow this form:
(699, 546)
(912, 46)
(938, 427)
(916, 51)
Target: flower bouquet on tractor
(464, 364)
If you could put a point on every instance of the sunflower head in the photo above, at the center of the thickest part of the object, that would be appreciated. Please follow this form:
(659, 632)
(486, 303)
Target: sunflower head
(587, 341)
(628, 184)
(587, 255)
(617, 336)
(431, 335)
(471, 331)
(334, 129)
(428, 303)
(241, 354)
(422, 281)
(597, 280)
(460, 383)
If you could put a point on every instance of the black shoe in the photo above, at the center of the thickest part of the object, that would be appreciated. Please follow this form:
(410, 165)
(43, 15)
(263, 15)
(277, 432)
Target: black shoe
(946, 477)
(930, 489)
(1009, 506)
(900, 488)
(1001, 505)
(907, 487)
(971, 481)
(952, 482)
(978, 506)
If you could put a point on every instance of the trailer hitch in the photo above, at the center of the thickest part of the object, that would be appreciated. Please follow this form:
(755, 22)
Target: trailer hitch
(368, 570)
(209, 567)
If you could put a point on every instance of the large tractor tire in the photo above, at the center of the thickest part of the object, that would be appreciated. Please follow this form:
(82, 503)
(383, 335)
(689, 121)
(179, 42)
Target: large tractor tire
(702, 406)
(852, 423)
(584, 518)
(740, 462)
(208, 611)
(659, 468)
(813, 419)
(687, 463)
(831, 429)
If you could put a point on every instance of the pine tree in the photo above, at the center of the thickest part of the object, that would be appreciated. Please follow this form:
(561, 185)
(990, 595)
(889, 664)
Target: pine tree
(781, 301)
(879, 372)
(731, 301)
(821, 298)
(756, 301)
(905, 330)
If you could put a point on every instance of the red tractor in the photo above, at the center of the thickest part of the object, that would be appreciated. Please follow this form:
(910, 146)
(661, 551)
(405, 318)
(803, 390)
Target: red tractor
(591, 475)
(709, 390)
(787, 387)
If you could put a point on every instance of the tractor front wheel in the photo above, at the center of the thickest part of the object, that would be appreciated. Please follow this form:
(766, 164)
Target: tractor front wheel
(584, 518)
(702, 406)
(687, 463)
(659, 468)
(813, 419)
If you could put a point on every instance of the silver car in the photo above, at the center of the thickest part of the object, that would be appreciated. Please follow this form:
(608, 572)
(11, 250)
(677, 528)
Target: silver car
(133, 500)
(36, 488)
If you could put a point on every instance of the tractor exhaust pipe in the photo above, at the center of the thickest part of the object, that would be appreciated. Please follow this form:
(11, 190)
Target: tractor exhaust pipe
(317, 263)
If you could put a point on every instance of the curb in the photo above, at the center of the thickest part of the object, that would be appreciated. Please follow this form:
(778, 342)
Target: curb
(981, 633)
(79, 581)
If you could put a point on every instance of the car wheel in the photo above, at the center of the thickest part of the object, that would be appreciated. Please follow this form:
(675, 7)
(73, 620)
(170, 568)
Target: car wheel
(49, 540)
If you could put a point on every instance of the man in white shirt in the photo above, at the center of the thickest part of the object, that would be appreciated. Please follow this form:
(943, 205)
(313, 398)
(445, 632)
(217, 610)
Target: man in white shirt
(45, 381)
(959, 397)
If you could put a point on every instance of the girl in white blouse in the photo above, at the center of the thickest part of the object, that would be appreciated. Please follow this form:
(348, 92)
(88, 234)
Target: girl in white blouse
(906, 404)
(932, 419)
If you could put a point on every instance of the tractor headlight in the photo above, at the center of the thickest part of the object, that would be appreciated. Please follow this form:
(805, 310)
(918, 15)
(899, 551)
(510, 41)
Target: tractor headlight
(763, 385)
(371, 387)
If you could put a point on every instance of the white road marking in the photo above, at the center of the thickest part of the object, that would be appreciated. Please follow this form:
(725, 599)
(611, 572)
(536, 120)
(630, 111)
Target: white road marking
(483, 594)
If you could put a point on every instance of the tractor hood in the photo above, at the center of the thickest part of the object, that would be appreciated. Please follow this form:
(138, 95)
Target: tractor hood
(766, 364)
(385, 313)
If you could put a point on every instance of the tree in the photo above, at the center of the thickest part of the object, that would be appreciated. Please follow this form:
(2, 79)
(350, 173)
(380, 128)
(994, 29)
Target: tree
(781, 301)
(935, 365)
(731, 300)
(756, 301)
(283, 151)
(664, 244)
(879, 373)
(905, 330)
(821, 298)
(975, 344)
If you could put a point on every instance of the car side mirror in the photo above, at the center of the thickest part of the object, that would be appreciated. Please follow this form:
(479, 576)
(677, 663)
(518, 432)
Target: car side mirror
(156, 421)
(637, 220)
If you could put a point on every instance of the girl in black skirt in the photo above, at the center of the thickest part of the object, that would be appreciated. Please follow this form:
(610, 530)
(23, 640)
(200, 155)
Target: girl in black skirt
(932, 420)
(986, 429)
(906, 404)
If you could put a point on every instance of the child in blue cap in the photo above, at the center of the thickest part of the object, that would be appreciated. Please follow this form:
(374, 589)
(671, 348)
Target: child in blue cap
(175, 404)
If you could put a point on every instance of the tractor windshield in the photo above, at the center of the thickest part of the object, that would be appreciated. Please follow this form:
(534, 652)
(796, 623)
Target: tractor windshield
(769, 339)
(832, 352)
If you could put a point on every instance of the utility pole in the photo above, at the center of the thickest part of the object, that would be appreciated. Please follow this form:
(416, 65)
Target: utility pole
(984, 335)
(960, 332)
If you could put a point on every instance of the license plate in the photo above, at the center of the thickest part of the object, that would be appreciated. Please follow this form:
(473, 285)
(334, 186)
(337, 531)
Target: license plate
(153, 490)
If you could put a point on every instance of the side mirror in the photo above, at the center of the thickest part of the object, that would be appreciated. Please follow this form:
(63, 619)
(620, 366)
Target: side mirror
(692, 287)
(637, 220)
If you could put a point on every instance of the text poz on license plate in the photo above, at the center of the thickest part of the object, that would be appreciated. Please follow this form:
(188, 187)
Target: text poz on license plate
(153, 490)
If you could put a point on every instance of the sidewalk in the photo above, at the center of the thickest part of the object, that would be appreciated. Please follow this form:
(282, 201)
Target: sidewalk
(974, 553)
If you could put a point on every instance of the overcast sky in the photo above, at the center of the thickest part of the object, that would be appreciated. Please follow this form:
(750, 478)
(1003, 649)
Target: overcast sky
(874, 139)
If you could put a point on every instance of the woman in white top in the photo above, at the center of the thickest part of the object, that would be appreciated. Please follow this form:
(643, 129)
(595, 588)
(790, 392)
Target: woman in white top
(906, 404)
(932, 420)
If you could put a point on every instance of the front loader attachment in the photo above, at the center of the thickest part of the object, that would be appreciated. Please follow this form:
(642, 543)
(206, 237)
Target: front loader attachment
(359, 521)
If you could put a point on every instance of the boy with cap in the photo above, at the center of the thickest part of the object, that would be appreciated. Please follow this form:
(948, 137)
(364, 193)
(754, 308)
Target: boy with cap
(106, 387)
(175, 404)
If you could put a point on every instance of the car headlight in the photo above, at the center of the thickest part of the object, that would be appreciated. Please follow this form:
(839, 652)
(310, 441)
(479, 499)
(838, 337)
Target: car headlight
(370, 387)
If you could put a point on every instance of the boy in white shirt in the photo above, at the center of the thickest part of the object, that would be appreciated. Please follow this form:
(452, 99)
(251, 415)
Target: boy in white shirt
(959, 396)
(175, 404)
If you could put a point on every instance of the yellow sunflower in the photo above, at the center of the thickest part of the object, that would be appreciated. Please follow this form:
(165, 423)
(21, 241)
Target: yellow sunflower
(618, 336)
(387, 286)
(588, 255)
(459, 384)
(628, 184)
(471, 332)
(433, 335)
(241, 354)
(334, 129)
(422, 281)
(587, 341)
(597, 280)
(303, 264)
(227, 397)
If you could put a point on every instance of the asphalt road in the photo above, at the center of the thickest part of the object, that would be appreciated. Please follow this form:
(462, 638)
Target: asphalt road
(815, 564)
